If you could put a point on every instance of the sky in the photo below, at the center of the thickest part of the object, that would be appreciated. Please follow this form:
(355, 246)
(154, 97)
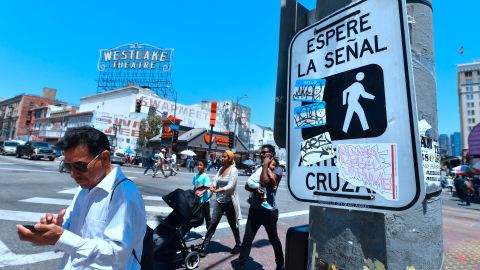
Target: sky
(222, 49)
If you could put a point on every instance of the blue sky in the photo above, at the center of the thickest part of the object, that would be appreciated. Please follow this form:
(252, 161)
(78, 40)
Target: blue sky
(223, 49)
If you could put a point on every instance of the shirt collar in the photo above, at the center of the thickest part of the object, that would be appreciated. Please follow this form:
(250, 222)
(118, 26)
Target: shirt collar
(110, 179)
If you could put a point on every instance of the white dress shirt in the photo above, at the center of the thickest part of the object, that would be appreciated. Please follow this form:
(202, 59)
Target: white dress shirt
(99, 233)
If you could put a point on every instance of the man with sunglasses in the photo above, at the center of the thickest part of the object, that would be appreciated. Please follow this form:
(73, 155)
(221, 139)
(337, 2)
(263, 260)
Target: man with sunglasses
(259, 216)
(104, 226)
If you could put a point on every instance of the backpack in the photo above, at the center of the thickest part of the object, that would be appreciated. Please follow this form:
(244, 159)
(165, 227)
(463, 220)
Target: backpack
(146, 262)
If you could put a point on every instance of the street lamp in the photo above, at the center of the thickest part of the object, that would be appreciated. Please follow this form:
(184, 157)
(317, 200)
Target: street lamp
(236, 117)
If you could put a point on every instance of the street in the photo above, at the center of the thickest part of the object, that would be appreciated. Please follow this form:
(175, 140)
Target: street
(32, 188)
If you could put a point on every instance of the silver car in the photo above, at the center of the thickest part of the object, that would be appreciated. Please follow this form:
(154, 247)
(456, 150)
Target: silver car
(117, 158)
(8, 147)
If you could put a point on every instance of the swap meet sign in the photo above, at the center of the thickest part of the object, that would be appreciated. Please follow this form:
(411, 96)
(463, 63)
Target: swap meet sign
(352, 123)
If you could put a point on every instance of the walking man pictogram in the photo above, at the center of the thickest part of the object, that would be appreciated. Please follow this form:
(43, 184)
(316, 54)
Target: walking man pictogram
(354, 92)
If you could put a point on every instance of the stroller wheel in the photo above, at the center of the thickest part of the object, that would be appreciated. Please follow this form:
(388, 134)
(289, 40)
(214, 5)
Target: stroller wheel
(192, 260)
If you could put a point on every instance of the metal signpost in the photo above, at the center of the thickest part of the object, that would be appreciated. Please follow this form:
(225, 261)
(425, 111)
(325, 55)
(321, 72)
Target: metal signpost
(352, 122)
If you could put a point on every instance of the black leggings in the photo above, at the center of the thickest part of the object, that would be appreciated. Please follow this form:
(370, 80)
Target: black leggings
(218, 210)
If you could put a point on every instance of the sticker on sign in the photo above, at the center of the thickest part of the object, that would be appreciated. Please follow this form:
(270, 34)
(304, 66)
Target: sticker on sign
(352, 111)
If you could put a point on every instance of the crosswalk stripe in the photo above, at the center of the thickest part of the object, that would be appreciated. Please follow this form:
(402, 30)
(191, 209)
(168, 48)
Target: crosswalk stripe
(54, 201)
(20, 216)
(47, 201)
(69, 191)
(9, 258)
(28, 170)
(223, 225)
(146, 198)
(152, 198)
(158, 209)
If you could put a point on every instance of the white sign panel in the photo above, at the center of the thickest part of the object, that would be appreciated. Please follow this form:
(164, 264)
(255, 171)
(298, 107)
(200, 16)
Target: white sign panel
(431, 159)
(352, 123)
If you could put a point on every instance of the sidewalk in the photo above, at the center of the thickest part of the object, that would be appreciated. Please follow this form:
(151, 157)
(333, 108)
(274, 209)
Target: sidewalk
(461, 235)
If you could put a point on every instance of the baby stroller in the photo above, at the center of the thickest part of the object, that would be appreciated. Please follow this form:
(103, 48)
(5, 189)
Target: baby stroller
(170, 245)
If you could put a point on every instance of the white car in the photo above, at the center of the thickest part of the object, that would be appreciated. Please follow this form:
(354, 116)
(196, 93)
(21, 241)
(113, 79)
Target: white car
(8, 147)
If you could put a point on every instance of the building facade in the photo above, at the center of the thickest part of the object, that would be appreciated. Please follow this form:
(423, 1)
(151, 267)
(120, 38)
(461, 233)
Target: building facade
(51, 122)
(445, 145)
(18, 115)
(122, 103)
(468, 85)
(457, 144)
(261, 135)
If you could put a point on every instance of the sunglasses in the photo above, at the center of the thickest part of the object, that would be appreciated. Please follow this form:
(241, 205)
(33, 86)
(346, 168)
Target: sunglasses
(79, 166)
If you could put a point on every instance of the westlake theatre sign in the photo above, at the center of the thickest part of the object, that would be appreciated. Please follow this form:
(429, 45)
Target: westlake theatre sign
(140, 64)
(135, 56)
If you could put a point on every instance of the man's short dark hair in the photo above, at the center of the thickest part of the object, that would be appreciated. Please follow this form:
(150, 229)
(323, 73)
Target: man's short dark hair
(94, 139)
(269, 147)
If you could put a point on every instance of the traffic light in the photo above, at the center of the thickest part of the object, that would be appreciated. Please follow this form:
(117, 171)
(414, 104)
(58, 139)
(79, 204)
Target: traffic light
(213, 113)
(152, 111)
(138, 106)
(231, 137)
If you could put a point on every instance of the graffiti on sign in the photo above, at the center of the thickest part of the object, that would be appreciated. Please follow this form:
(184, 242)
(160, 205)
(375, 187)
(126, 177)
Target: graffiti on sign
(309, 90)
(316, 149)
(370, 165)
(311, 115)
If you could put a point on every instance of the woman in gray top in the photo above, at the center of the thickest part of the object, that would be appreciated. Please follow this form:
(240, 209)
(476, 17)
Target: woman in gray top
(226, 201)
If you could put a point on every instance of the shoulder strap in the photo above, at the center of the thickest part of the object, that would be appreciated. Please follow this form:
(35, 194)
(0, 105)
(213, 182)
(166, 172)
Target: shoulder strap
(116, 185)
(111, 196)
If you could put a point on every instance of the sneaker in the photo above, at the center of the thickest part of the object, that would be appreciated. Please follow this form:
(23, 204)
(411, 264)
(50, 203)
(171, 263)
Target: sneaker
(145, 174)
(235, 249)
(266, 205)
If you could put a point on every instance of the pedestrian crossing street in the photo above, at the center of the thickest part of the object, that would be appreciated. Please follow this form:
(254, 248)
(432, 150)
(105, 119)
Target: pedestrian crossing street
(154, 207)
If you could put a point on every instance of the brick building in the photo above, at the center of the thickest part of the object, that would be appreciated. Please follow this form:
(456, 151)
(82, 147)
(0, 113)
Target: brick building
(17, 114)
(51, 122)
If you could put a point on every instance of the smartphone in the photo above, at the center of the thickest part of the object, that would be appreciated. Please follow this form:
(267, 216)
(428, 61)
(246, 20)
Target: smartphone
(30, 227)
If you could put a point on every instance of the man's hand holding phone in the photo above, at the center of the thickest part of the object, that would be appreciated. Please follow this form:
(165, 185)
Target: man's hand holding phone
(46, 232)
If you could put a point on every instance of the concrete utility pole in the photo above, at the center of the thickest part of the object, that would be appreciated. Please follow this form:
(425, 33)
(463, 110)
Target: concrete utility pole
(356, 239)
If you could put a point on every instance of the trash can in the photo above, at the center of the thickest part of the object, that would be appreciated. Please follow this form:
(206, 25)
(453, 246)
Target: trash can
(296, 248)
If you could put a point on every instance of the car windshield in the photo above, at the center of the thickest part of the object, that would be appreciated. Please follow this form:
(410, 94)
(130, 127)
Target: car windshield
(11, 144)
(40, 144)
(119, 155)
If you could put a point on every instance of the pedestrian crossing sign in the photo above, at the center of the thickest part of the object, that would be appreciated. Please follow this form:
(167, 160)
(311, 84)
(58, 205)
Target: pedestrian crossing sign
(352, 122)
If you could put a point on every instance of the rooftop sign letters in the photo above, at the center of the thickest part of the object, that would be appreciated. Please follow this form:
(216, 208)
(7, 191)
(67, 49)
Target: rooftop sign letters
(135, 56)
(139, 64)
(352, 139)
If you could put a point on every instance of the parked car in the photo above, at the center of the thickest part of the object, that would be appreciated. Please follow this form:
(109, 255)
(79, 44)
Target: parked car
(58, 152)
(8, 147)
(117, 158)
(35, 150)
